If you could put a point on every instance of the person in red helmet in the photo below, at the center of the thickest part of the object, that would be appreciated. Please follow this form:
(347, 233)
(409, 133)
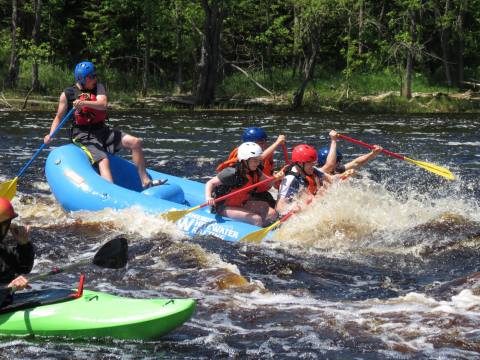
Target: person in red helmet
(14, 259)
(301, 178)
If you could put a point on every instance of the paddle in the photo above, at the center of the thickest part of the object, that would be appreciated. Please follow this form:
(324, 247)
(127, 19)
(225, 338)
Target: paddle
(439, 170)
(8, 189)
(112, 255)
(285, 153)
(175, 215)
(257, 236)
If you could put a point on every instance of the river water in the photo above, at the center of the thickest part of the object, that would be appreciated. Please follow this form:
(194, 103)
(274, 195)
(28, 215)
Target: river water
(384, 266)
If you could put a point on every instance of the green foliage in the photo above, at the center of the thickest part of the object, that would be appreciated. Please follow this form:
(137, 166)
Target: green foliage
(362, 44)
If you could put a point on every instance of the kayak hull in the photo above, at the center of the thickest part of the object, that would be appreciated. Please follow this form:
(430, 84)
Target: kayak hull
(97, 315)
(77, 186)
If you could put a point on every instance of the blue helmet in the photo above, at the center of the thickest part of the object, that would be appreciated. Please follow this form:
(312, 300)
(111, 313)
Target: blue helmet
(82, 70)
(254, 134)
(323, 154)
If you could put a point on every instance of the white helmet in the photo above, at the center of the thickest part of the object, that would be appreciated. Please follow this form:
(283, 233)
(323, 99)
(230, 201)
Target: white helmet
(249, 150)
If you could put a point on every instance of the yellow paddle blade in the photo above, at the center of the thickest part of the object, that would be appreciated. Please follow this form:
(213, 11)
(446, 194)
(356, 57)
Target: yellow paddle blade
(439, 170)
(8, 189)
(257, 236)
(175, 215)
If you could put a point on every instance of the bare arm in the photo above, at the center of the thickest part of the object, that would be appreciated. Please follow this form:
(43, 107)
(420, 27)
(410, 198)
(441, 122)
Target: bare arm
(270, 150)
(209, 186)
(363, 159)
(331, 161)
(61, 111)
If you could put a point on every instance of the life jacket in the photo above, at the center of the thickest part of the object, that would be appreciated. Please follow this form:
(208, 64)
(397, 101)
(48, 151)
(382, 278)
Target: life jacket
(240, 181)
(267, 164)
(87, 115)
(311, 182)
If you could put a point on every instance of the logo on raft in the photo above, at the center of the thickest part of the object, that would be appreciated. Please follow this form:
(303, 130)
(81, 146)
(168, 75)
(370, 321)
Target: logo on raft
(202, 225)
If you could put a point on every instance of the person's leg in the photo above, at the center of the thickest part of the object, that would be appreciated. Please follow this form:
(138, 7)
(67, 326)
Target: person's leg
(135, 145)
(241, 214)
(104, 168)
(93, 148)
(262, 208)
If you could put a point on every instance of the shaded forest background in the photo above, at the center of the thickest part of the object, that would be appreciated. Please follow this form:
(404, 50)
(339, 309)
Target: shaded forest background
(211, 48)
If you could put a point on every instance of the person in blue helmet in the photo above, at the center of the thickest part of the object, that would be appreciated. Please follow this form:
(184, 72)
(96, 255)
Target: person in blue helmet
(258, 136)
(330, 159)
(90, 132)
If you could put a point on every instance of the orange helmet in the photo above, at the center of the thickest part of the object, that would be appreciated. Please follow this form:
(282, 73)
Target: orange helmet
(304, 153)
(6, 210)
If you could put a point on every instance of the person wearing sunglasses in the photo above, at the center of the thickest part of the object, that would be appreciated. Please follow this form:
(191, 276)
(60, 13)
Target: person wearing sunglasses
(90, 132)
(14, 259)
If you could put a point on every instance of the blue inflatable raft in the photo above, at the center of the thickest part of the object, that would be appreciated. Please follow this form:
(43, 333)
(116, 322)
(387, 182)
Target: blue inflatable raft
(77, 186)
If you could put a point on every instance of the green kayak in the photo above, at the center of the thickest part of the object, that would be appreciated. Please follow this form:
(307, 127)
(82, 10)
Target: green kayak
(94, 314)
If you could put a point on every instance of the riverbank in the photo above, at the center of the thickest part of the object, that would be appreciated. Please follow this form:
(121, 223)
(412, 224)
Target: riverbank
(328, 92)
(388, 102)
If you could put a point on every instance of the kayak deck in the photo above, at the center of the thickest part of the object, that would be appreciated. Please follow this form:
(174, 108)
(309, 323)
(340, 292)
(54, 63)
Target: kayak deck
(97, 314)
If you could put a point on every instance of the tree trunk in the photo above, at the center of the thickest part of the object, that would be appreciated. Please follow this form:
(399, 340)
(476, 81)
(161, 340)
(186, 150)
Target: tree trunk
(407, 82)
(14, 66)
(296, 41)
(178, 48)
(147, 8)
(210, 52)
(269, 48)
(461, 45)
(360, 28)
(444, 38)
(36, 41)
(308, 73)
(146, 60)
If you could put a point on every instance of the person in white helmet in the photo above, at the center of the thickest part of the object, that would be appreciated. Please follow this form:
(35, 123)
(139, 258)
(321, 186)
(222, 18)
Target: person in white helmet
(244, 173)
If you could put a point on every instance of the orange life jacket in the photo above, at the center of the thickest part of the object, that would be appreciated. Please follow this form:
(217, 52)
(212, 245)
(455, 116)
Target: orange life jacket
(240, 199)
(233, 159)
(240, 181)
(87, 115)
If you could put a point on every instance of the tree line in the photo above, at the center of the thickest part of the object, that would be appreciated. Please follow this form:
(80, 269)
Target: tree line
(195, 44)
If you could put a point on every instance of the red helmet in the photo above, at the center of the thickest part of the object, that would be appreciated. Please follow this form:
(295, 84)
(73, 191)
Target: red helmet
(6, 210)
(304, 153)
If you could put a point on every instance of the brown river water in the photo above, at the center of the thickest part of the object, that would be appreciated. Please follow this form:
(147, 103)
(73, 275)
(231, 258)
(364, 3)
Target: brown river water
(385, 266)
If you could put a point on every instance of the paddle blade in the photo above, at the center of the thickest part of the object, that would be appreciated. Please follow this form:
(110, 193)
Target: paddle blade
(113, 254)
(8, 189)
(175, 215)
(439, 170)
(257, 236)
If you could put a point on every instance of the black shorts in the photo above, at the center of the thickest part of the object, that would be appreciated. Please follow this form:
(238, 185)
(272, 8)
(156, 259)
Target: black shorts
(97, 141)
(264, 196)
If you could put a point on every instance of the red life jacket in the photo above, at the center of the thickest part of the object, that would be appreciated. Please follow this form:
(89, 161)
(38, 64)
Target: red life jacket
(233, 159)
(240, 199)
(87, 115)
(240, 181)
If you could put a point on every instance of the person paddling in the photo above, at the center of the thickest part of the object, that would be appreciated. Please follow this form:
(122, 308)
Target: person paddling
(258, 136)
(330, 159)
(301, 179)
(244, 206)
(17, 259)
(90, 132)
